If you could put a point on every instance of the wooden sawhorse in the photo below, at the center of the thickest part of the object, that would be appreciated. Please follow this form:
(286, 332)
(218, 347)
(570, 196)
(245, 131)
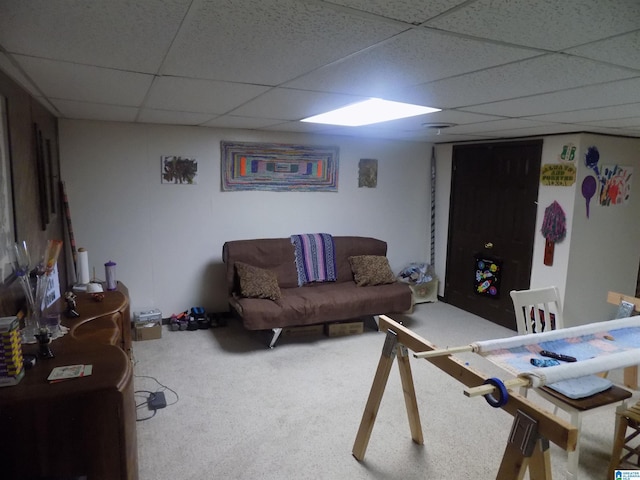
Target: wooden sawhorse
(532, 430)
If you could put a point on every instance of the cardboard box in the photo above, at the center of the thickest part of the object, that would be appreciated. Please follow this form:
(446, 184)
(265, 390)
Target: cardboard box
(343, 328)
(305, 331)
(148, 331)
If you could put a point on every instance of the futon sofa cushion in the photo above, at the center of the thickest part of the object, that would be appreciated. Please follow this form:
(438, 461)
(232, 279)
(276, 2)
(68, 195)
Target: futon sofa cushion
(311, 303)
(322, 303)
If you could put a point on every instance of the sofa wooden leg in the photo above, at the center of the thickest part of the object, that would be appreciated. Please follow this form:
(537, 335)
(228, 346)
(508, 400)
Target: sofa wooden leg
(274, 338)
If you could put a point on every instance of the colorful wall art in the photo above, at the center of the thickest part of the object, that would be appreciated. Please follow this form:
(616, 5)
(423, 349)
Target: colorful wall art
(487, 276)
(278, 167)
(615, 185)
(179, 170)
(611, 182)
(368, 173)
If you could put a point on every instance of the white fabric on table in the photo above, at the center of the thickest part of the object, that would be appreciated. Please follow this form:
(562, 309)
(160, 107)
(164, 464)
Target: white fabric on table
(540, 377)
(544, 376)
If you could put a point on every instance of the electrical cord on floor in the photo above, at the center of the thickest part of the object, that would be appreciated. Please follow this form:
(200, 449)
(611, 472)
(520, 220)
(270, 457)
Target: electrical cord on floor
(153, 400)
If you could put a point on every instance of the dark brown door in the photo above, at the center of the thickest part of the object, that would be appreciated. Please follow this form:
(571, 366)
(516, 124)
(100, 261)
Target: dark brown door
(492, 226)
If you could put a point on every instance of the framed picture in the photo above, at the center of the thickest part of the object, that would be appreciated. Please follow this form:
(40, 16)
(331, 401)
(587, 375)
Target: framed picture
(41, 168)
(180, 170)
(278, 167)
(7, 226)
(368, 173)
(51, 176)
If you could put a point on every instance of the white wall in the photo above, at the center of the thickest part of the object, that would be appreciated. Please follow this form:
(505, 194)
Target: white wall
(599, 254)
(167, 239)
(605, 248)
(544, 275)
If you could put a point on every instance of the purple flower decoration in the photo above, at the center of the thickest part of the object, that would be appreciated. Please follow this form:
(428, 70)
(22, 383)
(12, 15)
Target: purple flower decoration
(591, 159)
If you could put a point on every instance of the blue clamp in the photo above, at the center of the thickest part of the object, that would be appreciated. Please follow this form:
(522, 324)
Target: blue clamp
(502, 399)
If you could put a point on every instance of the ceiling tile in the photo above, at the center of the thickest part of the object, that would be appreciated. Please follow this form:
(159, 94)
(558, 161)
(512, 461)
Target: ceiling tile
(150, 115)
(613, 93)
(404, 10)
(85, 83)
(233, 121)
(226, 63)
(267, 42)
(591, 114)
(413, 57)
(622, 50)
(300, 127)
(118, 33)
(542, 74)
(194, 95)
(632, 122)
(545, 129)
(452, 138)
(552, 25)
(289, 104)
(494, 125)
(458, 117)
(94, 111)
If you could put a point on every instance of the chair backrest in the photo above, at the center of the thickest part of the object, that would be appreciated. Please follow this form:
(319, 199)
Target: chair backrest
(537, 310)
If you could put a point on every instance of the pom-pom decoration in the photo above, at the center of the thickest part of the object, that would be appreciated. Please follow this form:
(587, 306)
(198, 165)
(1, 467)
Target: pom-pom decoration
(554, 229)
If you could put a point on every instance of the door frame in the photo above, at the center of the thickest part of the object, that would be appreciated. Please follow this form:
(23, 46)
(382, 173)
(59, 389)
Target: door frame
(532, 219)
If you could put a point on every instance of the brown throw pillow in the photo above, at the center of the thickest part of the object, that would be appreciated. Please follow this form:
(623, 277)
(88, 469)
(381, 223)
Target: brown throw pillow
(257, 282)
(371, 270)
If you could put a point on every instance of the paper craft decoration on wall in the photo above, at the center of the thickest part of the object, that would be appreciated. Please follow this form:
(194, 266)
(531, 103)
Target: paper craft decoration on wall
(558, 174)
(614, 181)
(179, 170)
(591, 159)
(278, 167)
(554, 229)
(615, 185)
(368, 173)
(589, 188)
(589, 184)
(568, 153)
(487, 276)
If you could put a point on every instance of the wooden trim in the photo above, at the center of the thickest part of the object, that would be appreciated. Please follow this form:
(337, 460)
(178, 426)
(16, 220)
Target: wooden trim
(615, 299)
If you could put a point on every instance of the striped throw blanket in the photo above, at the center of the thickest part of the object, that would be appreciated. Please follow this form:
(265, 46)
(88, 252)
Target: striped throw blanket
(315, 257)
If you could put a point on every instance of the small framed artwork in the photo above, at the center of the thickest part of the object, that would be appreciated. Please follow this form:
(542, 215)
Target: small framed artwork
(488, 271)
(179, 170)
(368, 173)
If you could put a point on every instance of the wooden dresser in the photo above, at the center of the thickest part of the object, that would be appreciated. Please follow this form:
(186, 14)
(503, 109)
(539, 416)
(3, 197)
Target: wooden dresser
(80, 427)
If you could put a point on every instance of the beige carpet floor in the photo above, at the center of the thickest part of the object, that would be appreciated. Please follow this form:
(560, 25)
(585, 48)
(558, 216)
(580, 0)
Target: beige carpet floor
(243, 411)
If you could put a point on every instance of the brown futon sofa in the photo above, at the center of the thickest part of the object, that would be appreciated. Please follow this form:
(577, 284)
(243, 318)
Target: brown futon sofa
(263, 286)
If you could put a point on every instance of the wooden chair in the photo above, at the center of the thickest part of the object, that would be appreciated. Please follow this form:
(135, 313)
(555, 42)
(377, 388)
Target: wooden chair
(539, 310)
(534, 308)
(626, 418)
(623, 448)
(630, 373)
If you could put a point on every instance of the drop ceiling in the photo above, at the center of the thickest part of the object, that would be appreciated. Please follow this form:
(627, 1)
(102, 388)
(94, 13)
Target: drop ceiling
(496, 68)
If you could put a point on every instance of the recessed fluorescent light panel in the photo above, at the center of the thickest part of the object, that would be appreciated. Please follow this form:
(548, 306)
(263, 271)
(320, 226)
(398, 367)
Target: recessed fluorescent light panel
(374, 110)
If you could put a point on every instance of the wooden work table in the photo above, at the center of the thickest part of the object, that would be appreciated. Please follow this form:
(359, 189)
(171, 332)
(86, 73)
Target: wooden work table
(78, 427)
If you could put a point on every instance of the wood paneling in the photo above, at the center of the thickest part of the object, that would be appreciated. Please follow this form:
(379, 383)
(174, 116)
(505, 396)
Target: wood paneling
(23, 113)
